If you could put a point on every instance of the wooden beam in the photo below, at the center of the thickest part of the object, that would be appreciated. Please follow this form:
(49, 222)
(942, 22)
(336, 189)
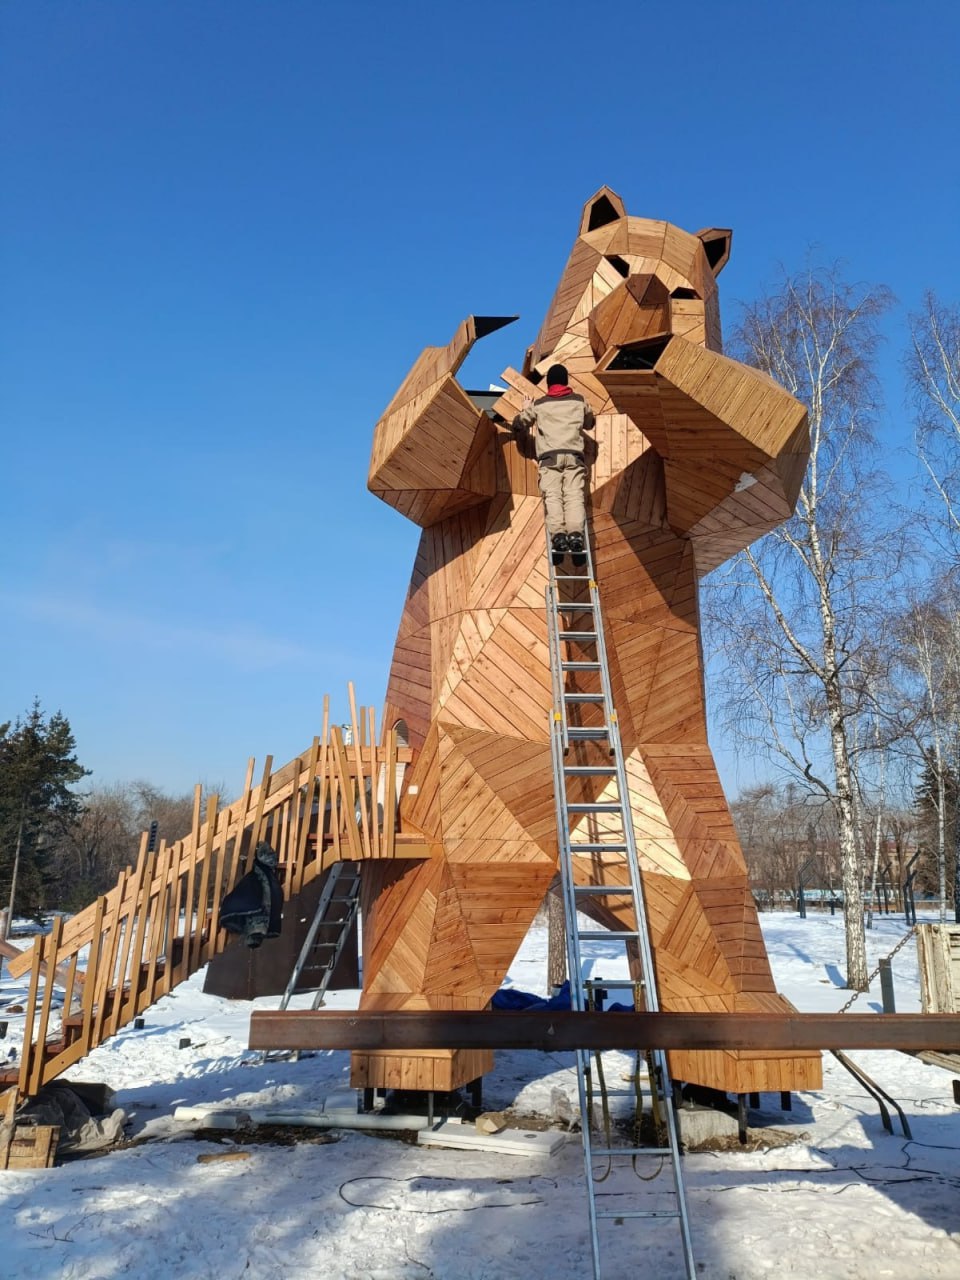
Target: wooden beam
(550, 1030)
(11, 952)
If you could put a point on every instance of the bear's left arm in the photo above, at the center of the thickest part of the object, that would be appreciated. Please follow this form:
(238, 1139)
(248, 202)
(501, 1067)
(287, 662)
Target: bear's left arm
(735, 446)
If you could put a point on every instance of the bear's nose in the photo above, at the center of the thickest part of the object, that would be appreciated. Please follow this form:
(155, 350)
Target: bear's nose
(635, 312)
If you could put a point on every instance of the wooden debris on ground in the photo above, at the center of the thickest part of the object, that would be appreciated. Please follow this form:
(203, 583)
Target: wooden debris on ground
(491, 1122)
(24, 1146)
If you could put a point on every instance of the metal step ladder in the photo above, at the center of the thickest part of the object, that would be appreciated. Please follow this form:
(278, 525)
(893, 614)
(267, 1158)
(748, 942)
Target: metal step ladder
(334, 917)
(586, 754)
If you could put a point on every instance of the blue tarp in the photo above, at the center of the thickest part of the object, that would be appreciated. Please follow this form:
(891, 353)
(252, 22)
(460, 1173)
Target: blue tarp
(511, 998)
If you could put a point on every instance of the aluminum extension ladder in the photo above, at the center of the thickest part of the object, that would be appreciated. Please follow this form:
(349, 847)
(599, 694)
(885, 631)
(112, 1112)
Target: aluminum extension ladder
(336, 911)
(582, 693)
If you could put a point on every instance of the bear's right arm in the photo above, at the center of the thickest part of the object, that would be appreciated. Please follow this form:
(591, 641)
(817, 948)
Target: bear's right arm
(430, 447)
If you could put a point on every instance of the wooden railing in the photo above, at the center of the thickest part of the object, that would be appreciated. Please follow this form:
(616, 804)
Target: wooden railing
(160, 922)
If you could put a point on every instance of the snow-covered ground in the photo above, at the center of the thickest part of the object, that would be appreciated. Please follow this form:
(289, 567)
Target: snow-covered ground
(845, 1199)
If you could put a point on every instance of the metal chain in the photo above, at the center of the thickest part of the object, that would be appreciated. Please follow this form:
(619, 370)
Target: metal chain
(857, 994)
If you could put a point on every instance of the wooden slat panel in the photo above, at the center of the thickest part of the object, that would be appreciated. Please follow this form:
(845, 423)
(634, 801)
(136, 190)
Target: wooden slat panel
(106, 977)
(158, 919)
(127, 999)
(51, 948)
(213, 803)
(172, 914)
(85, 1039)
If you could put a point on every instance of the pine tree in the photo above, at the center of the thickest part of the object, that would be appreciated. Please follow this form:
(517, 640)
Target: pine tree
(38, 766)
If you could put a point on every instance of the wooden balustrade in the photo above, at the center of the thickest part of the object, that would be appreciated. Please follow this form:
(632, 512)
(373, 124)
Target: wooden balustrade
(160, 922)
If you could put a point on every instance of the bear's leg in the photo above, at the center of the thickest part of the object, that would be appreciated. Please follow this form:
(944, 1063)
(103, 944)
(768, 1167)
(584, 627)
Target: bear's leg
(441, 934)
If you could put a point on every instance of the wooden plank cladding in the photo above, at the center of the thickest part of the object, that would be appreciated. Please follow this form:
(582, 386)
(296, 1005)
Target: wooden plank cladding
(160, 922)
(694, 457)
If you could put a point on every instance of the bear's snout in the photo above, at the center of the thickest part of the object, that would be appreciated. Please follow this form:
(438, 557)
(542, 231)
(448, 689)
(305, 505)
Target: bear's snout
(637, 311)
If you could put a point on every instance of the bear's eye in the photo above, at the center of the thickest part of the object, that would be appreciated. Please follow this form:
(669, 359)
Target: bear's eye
(684, 293)
(618, 264)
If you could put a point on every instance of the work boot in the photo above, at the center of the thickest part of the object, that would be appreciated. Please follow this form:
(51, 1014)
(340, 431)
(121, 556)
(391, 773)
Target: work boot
(558, 548)
(575, 546)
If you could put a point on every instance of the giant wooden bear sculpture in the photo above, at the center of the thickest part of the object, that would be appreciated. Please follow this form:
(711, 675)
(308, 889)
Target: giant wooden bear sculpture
(696, 456)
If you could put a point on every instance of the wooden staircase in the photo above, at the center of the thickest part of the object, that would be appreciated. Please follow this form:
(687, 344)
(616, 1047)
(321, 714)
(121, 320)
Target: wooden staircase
(160, 922)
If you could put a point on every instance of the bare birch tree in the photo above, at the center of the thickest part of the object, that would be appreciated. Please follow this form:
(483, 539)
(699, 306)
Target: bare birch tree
(797, 615)
(933, 372)
(929, 688)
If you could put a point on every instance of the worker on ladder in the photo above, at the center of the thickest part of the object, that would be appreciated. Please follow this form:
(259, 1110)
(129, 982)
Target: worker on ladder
(560, 418)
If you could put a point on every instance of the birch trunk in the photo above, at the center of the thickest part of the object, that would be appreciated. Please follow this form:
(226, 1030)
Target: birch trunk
(556, 940)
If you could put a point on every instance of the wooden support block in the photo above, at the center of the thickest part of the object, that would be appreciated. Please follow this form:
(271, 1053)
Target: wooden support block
(8, 1110)
(24, 1146)
(33, 1146)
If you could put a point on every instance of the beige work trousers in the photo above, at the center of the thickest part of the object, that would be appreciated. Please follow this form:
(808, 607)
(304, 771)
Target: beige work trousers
(562, 477)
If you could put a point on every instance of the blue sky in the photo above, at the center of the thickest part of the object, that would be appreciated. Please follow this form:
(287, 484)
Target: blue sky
(227, 227)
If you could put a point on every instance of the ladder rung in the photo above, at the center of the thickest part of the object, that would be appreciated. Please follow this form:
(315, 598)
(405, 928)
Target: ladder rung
(583, 697)
(638, 1213)
(593, 983)
(589, 770)
(570, 606)
(630, 1151)
(611, 806)
(622, 1093)
(607, 935)
(583, 734)
(571, 577)
(598, 848)
(579, 635)
(599, 890)
(580, 666)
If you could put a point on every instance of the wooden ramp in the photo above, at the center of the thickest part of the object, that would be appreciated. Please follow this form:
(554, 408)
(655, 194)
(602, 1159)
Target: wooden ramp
(160, 922)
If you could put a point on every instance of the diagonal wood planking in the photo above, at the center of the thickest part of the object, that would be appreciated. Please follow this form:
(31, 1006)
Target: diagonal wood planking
(694, 457)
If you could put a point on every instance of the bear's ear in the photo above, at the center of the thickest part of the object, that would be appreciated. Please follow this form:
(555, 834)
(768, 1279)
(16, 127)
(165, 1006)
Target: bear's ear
(606, 206)
(716, 242)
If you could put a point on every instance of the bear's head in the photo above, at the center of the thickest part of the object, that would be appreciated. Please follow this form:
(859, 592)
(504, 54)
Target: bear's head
(629, 287)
